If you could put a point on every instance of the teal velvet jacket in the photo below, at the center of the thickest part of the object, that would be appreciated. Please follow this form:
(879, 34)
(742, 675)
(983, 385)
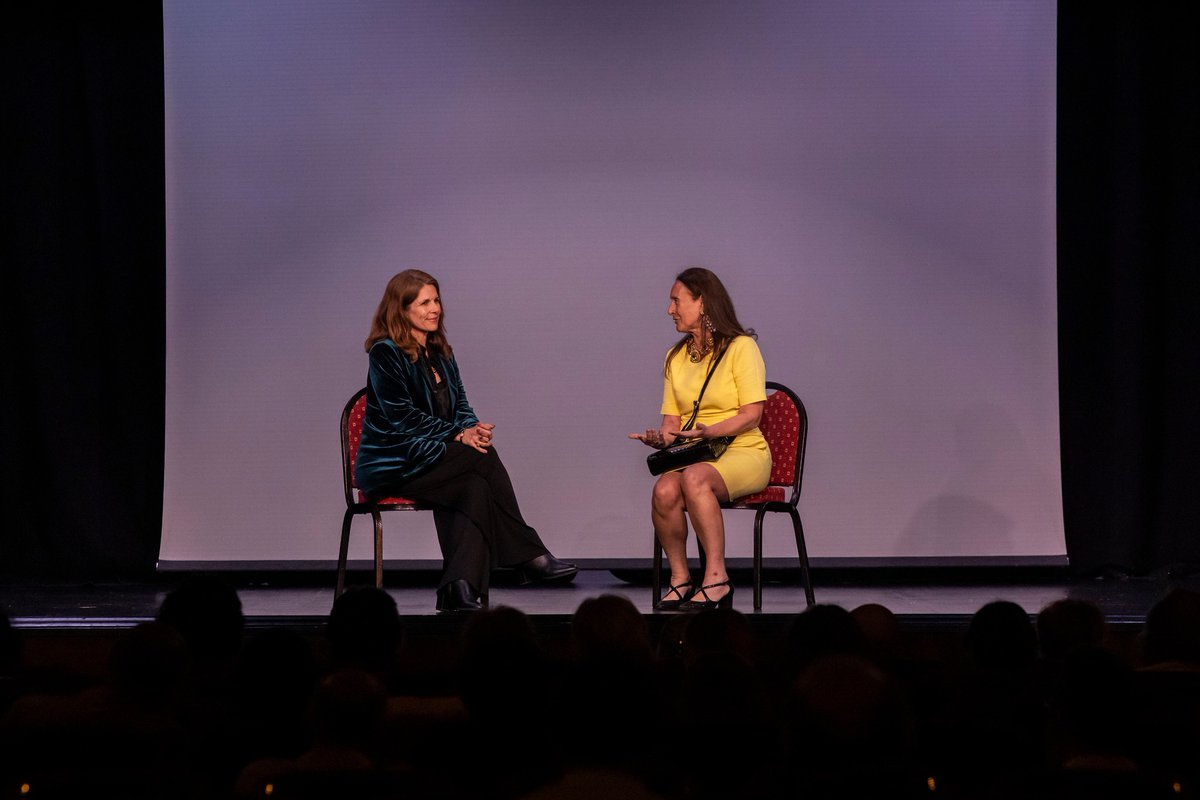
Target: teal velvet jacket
(402, 435)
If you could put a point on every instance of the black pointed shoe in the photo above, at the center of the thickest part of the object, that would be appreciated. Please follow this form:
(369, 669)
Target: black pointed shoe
(682, 593)
(694, 603)
(545, 569)
(458, 596)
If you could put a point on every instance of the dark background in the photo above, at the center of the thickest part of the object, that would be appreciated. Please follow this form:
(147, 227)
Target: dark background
(83, 299)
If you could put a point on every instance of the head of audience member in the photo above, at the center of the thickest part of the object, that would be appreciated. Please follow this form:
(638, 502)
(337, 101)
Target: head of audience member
(610, 629)
(512, 693)
(502, 668)
(1067, 626)
(718, 630)
(609, 685)
(819, 631)
(669, 646)
(848, 732)
(1172, 630)
(880, 631)
(844, 696)
(150, 667)
(208, 614)
(364, 630)
(1001, 637)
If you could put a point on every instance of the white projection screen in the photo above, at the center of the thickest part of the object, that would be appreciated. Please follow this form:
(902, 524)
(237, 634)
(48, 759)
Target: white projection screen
(872, 180)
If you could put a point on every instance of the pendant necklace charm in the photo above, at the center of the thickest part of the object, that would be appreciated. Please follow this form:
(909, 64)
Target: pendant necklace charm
(697, 354)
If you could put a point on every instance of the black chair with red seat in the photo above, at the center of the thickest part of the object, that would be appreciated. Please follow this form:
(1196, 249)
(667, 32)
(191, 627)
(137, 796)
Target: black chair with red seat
(357, 501)
(784, 425)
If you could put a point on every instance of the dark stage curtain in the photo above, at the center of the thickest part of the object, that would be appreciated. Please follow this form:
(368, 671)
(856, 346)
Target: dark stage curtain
(83, 296)
(1128, 259)
(83, 291)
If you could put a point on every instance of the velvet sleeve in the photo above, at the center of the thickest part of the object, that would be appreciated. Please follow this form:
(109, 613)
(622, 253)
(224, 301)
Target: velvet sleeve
(394, 381)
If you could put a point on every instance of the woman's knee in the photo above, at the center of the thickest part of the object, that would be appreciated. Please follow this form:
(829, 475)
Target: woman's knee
(667, 494)
(466, 491)
(484, 463)
(696, 484)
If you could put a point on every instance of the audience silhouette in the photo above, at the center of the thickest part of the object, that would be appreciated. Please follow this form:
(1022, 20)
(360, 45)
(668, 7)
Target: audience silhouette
(207, 613)
(364, 631)
(834, 704)
(610, 682)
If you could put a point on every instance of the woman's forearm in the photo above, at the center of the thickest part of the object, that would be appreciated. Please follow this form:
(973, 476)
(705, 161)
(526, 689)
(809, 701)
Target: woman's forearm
(746, 419)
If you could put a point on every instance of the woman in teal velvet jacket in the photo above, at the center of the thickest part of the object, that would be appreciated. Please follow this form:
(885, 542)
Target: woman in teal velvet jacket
(422, 440)
(402, 436)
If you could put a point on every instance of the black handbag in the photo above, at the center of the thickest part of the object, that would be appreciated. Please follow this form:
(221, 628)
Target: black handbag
(684, 452)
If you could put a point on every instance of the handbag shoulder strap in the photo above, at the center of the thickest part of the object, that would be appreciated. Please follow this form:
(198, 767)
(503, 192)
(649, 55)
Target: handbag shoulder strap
(696, 403)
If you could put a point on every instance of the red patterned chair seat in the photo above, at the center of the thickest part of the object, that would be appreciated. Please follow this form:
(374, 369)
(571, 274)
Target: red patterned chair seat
(771, 494)
(384, 501)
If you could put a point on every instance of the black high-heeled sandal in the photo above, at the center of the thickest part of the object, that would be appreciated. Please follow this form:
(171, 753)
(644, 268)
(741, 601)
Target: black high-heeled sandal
(673, 605)
(726, 601)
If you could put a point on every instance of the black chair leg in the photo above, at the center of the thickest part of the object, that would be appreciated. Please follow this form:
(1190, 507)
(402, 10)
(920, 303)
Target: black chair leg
(758, 558)
(805, 573)
(342, 551)
(378, 547)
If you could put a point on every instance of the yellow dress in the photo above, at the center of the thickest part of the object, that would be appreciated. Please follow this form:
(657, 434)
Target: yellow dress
(740, 379)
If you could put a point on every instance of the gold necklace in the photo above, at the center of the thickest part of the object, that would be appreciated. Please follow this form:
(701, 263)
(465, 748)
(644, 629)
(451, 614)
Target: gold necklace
(697, 354)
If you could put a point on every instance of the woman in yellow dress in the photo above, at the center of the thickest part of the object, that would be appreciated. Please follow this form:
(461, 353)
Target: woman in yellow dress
(732, 405)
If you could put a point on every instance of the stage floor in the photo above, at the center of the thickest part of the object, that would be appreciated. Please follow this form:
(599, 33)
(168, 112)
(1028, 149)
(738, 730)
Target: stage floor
(282, 600)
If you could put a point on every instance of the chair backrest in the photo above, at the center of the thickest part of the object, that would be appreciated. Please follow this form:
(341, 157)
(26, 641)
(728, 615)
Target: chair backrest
(784, 425)
(351, 433)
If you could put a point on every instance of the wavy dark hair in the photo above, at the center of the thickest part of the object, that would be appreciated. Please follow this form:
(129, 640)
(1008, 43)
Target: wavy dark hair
(718, 307)
(390, 321)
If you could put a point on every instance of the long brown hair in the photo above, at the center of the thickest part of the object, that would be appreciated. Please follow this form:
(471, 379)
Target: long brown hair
(390, 321)
(718, 307)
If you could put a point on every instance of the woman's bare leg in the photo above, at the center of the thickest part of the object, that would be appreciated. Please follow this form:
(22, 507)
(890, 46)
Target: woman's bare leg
(670, 526)
(703, 492)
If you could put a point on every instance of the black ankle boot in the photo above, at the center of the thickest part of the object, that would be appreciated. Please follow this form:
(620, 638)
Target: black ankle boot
(458, 596)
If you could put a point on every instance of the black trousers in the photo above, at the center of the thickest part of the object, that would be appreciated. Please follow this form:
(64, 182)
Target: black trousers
(479, 524)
